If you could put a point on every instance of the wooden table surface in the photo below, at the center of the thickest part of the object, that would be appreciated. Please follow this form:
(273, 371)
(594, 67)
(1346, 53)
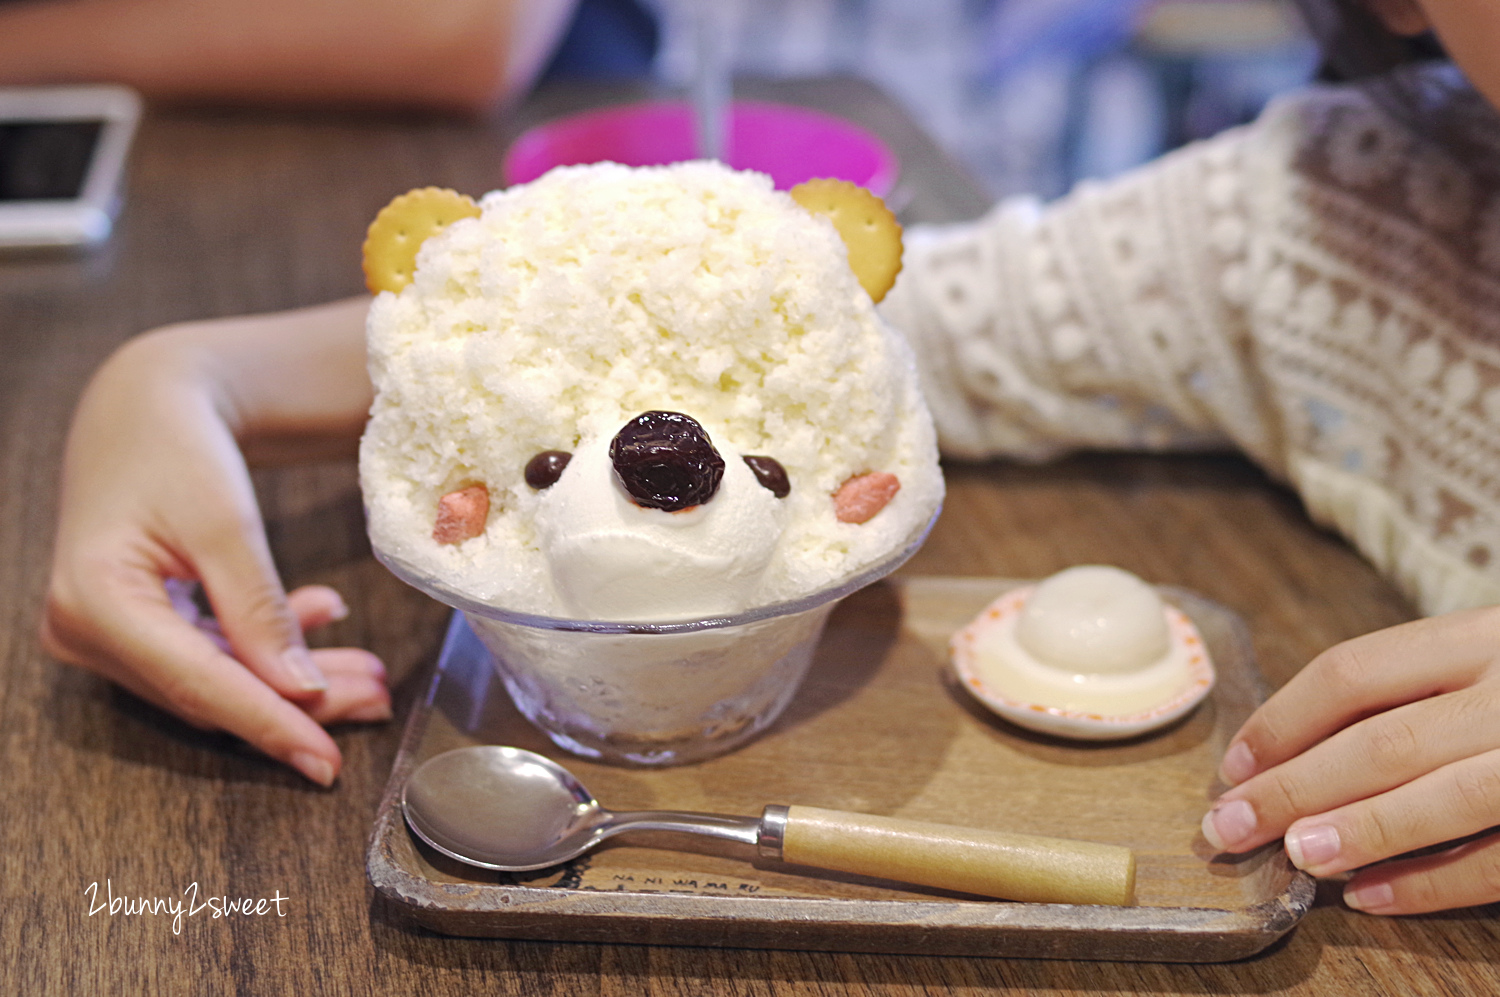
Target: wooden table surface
(235, 212)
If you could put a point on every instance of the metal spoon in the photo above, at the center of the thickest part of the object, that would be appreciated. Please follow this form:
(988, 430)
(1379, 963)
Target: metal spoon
(512, 810)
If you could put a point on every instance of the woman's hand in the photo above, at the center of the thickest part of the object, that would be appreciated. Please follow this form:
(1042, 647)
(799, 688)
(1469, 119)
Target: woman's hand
(156, 493)
(1384, 744)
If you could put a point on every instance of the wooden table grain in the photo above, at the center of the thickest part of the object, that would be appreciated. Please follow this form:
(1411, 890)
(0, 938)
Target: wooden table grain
(102, 797)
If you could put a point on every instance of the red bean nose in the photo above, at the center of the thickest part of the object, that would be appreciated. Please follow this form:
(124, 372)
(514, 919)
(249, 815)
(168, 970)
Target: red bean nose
(666, 461)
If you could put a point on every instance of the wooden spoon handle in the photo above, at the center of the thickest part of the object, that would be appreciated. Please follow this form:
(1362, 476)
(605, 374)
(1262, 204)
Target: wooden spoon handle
(990, 863)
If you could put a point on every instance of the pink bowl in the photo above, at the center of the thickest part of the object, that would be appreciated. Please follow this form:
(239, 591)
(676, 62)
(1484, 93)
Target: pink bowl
(792, 144)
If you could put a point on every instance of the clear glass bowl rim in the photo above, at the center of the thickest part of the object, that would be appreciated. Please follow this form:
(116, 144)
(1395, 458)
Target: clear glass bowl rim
(838, 590)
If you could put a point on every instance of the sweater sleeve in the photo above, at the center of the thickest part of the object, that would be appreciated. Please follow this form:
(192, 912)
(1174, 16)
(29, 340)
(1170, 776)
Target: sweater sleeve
(1320, 289)
(1112, 318)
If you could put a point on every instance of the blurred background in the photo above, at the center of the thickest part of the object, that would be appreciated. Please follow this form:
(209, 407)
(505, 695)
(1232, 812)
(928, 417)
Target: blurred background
(1030, 95)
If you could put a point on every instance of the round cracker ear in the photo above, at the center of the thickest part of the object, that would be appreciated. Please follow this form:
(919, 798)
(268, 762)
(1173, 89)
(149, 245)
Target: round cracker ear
(392, 241)
(869, 230)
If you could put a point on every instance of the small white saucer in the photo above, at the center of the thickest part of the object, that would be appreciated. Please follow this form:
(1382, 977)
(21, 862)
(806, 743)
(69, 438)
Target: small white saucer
(990, 688)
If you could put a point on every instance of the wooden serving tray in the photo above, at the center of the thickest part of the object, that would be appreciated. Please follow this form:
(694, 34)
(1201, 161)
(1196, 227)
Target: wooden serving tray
(879, 727)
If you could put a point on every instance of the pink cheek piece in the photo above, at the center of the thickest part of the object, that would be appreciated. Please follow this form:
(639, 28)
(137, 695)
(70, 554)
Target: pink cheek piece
(461, 515)
(864, 495)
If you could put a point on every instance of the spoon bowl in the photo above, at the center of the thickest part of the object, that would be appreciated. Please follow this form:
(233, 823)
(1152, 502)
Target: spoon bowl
(513, 810)
(500, 808)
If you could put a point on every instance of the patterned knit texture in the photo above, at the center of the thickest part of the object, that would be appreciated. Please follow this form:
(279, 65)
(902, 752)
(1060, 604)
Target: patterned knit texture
(1320, 288)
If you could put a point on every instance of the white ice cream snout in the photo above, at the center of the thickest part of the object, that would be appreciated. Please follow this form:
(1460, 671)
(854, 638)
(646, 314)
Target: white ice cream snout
(698, 545)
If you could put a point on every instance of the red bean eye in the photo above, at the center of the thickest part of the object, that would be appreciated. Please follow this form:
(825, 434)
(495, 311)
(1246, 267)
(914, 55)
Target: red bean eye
(770, 473)
(543, 470)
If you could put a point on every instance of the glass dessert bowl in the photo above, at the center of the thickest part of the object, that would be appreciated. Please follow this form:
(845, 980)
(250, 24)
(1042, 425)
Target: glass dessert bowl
(652, 694)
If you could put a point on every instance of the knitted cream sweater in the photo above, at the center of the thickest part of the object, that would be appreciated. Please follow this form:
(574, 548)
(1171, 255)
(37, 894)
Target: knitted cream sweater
(1320, 288)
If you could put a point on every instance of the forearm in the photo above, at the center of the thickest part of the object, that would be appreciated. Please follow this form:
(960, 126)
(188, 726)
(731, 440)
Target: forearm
(289, 385)
(458, 55)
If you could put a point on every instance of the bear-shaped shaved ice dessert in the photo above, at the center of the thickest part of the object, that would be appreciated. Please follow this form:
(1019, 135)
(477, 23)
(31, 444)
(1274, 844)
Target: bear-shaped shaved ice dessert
(650, 394)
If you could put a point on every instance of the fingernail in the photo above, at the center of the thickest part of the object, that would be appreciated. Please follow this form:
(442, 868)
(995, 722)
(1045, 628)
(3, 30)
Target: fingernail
(1312, 846)
(318, 769)
(1238, 764)
(1370, 897)
(339, 610)
(300, 668)
(1229, 824)
(370, 713)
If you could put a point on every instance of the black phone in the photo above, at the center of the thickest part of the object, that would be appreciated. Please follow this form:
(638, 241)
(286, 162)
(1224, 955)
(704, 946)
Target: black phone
(62, 158)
